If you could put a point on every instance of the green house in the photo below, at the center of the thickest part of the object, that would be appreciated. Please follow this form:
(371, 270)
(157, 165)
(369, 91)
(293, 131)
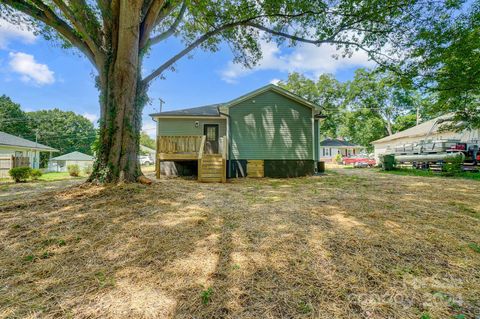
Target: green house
(268, 132)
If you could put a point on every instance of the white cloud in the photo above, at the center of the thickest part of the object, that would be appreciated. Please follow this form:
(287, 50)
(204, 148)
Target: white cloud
(91, 117)
(305, 58)
(9, 32)
(30, 71)
(275, 81)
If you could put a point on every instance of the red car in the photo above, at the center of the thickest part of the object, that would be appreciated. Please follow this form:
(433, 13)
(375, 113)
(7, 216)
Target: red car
(358, 160)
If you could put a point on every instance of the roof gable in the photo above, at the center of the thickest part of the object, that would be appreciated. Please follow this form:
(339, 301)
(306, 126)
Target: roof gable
(15, 141)
(274, 88)
(214, 110)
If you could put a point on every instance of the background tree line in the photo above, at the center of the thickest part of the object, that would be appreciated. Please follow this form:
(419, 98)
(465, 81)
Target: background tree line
(65, 131)
(372, 105)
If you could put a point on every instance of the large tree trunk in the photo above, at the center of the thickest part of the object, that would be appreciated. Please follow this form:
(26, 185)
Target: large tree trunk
(122, 98)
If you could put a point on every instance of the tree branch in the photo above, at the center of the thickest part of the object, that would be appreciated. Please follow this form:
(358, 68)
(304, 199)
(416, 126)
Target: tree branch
(185, 51)
(47, 16)
(82, 30)
(173, 27)
(149, 21)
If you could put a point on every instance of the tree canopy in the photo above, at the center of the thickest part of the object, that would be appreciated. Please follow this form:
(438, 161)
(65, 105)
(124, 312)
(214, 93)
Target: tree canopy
(63, 130)
(12, 119)
(370, 106)
(444, 61)
(147, 141)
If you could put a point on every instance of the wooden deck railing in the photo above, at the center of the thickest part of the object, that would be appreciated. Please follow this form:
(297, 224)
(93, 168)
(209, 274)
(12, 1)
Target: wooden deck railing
(180, 147)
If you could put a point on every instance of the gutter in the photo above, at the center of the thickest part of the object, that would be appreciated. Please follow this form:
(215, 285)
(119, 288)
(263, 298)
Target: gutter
(229, 140)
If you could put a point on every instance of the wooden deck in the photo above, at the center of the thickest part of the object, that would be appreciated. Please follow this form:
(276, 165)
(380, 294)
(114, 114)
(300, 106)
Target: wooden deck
(211, 167)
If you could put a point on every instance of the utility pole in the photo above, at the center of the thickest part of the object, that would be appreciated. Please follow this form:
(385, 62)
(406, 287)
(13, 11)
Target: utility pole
(161, 104)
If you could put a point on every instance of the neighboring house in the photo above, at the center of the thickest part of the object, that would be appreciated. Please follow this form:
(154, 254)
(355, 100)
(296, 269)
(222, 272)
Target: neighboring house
(148, 151)
(330, 147)
(268, 132)
(61, 163)
(426, 131)
(16, 151)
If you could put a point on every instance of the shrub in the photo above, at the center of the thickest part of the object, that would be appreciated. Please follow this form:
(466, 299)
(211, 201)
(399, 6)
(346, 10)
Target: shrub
(88, 169)
(20, 174)
(35, 173)
(453, 166)
(338, 158)
(73, 170)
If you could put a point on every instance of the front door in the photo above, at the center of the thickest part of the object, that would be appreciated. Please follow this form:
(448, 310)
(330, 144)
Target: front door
(211, 141)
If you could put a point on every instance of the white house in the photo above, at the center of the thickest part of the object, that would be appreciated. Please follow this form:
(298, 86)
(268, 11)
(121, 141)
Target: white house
(17, 151)
(330, 147)
(61, 163)
(426, 131)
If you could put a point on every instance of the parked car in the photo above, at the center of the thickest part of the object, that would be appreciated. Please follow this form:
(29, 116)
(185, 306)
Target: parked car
(358, 161)
(145, 160)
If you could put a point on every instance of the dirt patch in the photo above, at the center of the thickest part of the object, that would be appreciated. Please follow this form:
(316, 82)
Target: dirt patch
(343, 245)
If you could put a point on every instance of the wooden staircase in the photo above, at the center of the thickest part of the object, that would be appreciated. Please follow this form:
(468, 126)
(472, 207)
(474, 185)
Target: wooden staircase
(212, 168)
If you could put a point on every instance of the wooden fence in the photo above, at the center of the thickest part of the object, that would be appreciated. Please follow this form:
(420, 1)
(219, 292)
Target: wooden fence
(8, 162)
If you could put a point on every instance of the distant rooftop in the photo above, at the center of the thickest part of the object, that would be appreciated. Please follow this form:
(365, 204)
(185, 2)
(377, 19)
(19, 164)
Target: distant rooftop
(12, 140)
(73, 156)
(420, 130)
(333, 142)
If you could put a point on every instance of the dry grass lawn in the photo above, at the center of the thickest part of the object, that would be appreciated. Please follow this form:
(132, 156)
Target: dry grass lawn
(353, 244)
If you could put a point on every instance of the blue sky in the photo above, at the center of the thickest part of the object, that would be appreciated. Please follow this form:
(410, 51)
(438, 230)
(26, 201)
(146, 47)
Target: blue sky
(39, 75)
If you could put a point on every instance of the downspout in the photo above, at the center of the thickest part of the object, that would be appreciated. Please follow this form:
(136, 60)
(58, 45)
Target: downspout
(229, 134)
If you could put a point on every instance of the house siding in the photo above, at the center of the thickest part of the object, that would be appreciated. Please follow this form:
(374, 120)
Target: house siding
(271, 126)
(179, 127)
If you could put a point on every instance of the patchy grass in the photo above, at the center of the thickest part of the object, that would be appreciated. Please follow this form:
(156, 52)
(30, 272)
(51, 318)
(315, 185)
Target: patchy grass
(349, 244)
(58, 176)
(424, 173)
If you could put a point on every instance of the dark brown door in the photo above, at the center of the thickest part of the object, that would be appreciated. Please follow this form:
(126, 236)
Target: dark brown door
(211, 141)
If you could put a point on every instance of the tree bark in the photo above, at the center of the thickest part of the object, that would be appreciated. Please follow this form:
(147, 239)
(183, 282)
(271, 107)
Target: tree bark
(122, 98)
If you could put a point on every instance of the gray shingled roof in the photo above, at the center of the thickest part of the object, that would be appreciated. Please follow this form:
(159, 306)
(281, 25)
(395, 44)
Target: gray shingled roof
(73, 156)
(333, 142)
(206, 110)
(12, 140)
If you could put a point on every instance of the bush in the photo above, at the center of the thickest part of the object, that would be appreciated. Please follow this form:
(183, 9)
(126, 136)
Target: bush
(453, 165)
(338, 158)
(73, 170)
(88, 169)
(20, 174)
(35, 173)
